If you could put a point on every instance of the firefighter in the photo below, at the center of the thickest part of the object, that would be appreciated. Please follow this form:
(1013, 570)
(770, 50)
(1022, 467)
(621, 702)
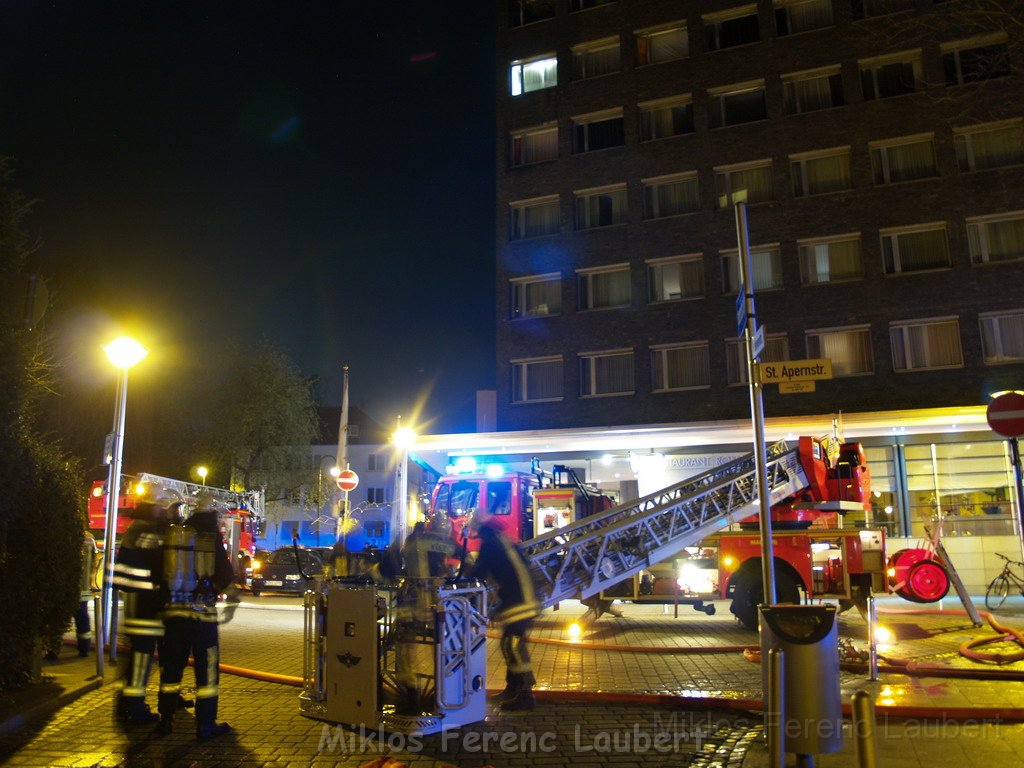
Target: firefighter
(138, 572)
(83, 632)
(500, 563)
(197, 569)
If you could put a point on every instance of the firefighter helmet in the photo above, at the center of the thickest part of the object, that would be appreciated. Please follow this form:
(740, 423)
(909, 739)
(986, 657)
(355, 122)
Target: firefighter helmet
(158, 500)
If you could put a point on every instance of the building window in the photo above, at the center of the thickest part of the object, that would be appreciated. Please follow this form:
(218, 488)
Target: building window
(849, 349)
(537, 296)
(915, 249)
(816, 173)
(922, 345)
(812, 90)
(375, 463)
(793, 16)
(1002, 337)
(606, 373)
(604, 287)
(535, 145)
(830, 260)
(522, 12)
(534, 218)
(600, 130)
(537, 379)
(665, 43)
(601, 207)
(865, 9)
(582, 5)
(676, 277)
(600, 57)
(737, 104)
(993, 145)
(666, 117)
(534, 74)
(375, 496)
(737, 26)
(676, 367)
(980, 58)
(765, 262)
(671, 195)
(996, 238)
(776, 349)
(890, 75)
(751, 182)
(904, 159)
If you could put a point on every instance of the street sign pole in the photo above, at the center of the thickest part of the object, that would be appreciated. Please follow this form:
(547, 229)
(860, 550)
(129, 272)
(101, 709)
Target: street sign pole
(1005, 415)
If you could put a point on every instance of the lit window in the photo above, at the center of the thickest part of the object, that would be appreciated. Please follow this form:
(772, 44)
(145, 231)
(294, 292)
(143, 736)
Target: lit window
(666, 117)
(537, 296)
(676, 367)
(891, 75)
(737, 104)
(604, 287)
(980, 58)
(535, 145)
(737, 26)
(921, 345)
(996, 238)
(600, 130)
(905, 159)
(776, 349)
(915, 249)
(603, 207)
(665, 43)
(830, 259)
(1002, 336)
(534, 218)
(606, 373)
(521, 12)
(534, 74)
(671, 195)
(765, 262)
(793, 16)
(865, 9)
(676, 277)
(750, 182)
(993, 145)
(816, 173)
(600, 57)
(848, 348)
(812, 90)
(537, 379)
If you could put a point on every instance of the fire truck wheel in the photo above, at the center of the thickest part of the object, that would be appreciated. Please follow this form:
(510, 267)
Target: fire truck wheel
(750, 593)
(927, 581)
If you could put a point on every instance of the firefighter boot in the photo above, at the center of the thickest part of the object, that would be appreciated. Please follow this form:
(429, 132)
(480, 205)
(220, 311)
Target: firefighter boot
(131, 703)
(523, 701)
(167, 704)
(206, 719)
(512, 684)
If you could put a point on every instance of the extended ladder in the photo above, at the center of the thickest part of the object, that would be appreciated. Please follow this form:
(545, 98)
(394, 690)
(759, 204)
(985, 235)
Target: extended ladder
(591, 554)
(252, 499)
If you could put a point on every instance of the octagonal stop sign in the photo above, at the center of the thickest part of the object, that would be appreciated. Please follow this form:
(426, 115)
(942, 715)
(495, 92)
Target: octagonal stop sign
(347, 480)
(1005, 414)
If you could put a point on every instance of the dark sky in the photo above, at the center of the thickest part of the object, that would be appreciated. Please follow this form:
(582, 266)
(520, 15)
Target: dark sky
(316, 173)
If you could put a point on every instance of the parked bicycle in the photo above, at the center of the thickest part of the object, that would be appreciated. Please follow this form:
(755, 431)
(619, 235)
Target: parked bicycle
(998, 590)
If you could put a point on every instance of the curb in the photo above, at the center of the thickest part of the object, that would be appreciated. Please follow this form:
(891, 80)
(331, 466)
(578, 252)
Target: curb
(47, 706)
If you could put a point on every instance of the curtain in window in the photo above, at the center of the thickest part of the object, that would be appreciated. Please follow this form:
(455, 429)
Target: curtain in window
(592, 63)
(849, 351)
(536, 147)
(991, 149)
(609, 289)
(544, 298)
(543, 381)
(932, 345)
(611, 373)
(672, 198)
(662, 122)
(540, 220)
(688, 367)
(922, 250)
(808, 95)
(830, 262)
(813, 14)
(767, 268)
(906, 162)
(827, 174)
(1004, 240)
(601, 210)
(1003, 338)
(667, 46)
(756, 181)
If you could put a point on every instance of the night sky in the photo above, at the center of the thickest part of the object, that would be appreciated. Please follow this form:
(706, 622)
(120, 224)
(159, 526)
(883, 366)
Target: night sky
(319, 174)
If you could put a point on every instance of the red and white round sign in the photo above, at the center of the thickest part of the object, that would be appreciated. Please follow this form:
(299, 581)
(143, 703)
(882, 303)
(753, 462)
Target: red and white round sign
(348, 480)
(1006, 414)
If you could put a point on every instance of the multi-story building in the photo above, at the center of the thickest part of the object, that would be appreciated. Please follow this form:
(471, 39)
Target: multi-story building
(879, 147)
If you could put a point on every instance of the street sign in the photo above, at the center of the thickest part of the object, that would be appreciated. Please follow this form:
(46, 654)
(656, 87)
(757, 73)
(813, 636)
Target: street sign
(741, 311)
(348, 480)
(795, 370)
(758, 340)
(1005, 414)
(795, 387)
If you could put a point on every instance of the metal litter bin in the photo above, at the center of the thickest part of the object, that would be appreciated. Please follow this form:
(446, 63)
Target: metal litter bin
(812, 705)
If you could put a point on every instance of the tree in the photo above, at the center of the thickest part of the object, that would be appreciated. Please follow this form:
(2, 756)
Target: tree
(41, 493)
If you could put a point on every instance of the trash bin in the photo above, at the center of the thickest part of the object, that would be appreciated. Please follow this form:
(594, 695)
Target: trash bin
(812, 704)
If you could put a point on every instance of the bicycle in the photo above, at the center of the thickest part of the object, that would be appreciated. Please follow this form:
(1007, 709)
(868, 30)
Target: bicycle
(997, 591)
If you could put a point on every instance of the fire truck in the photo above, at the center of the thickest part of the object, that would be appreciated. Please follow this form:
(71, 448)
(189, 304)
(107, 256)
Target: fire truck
(240, 522)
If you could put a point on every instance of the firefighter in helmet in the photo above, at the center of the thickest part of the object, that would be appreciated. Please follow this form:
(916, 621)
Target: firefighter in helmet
(138, 572)
(197, 569)
(500, 563)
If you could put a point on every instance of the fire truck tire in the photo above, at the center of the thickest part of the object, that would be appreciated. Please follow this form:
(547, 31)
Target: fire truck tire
(927, 581)
(749, 594)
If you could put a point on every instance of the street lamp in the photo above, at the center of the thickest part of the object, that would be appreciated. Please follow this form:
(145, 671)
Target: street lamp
(403, 438)
(123, 352)
(202, 472)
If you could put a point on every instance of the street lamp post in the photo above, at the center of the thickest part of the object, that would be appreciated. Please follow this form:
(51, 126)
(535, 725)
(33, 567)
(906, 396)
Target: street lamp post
(123, 352)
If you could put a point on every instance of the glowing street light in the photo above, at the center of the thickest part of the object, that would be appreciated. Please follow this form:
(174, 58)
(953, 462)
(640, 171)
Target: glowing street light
(403, 438)
(202, 472)
(123, 352)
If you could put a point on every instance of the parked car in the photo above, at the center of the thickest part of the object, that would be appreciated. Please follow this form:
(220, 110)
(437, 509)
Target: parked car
(280, 572)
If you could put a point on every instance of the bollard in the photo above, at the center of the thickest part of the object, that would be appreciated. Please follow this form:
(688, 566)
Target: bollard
(864, 729)
(776, 695)
(872, 639)
(97, 633)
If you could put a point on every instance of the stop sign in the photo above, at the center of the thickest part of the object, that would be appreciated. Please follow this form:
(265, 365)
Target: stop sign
(1005, 414)
(348, 480)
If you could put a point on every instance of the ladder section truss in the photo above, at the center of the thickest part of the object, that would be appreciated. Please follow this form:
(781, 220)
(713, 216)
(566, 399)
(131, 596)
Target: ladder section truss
(252, 499)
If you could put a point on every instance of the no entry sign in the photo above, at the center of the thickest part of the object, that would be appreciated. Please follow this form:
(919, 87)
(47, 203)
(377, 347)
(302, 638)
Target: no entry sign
(1006, 414)
(348, 480)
